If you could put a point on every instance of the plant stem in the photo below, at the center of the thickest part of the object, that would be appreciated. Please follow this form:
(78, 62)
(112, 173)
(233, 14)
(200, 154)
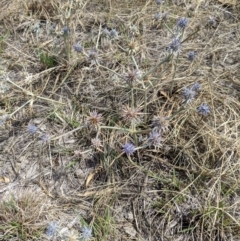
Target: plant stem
(174, 73)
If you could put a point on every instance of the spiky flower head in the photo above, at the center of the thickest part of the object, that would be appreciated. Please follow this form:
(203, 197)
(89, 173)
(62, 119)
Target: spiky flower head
(134, 31)
(196, 87)
(155, 138)
(133, 47)
(182, 23)
(132, 76)
(65, 30)
(203, 109)
(78, 48)
(192, 55)
(86, 233)
(32, 129)
(158, 2)
(175, 46)
(93, 54)
(97, 143)
(131, 114)
(94, 118)
(129, 148)
(160, 123)
(188, 94)
(52, 229)
(105, 32)
(113, 33)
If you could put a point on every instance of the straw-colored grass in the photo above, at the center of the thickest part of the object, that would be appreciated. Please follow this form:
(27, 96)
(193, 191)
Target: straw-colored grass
(181, 182)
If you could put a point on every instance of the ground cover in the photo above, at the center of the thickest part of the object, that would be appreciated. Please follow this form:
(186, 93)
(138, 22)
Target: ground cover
(119, 120)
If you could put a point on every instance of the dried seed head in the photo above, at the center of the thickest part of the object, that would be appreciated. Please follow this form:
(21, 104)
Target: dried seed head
(132, 76)
(155, 138)
(130, 114)
(129, 148)
(134, 31)
(97, 143)
(160, 123)
(94, 118)
(133, 46)
(203, 109)
(175, 46)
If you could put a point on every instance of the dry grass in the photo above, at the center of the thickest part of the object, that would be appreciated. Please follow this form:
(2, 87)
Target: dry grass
(72, 170)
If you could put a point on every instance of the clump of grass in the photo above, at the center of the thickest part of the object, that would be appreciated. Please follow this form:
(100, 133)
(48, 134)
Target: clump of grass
(23, 214)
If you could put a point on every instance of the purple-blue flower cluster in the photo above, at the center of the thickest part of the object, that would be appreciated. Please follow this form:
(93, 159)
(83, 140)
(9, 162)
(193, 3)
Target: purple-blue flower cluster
(32, 129)
(129, 148)
(52, 229)
(203, 109)
(155, 138)
(78, 48)
(190, 93)
(175, 46)
(182, 23)
(192, 55)
(86, 233)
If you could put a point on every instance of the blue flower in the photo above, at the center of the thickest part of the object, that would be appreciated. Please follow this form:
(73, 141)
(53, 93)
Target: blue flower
(203, 109)
(65, 30)
(105, 32)
(182, 23)
(196, 87)
(32, 129)
(52, 228)
(192, 56)
(175, 46)
(129, 148)
(188, 94)
(86, 233)
(78, 48)
(158, 2)
(113, 33)
(155, 138)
